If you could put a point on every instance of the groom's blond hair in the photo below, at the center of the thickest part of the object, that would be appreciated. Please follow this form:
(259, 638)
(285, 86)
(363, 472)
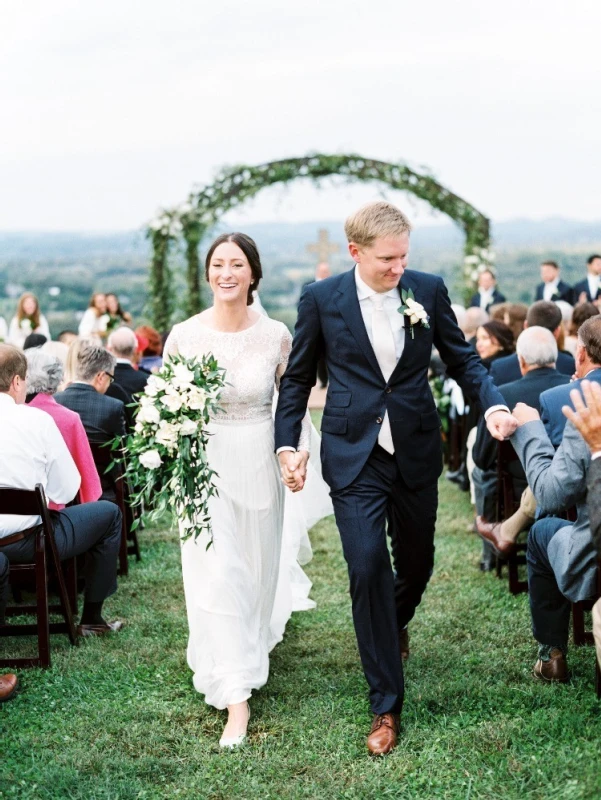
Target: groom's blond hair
(374, 221)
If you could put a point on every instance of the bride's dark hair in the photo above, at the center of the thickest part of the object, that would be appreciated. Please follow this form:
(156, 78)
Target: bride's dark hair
(249, 248)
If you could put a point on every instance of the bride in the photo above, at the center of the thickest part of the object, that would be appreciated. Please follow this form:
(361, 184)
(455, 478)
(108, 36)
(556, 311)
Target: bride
(241, 590)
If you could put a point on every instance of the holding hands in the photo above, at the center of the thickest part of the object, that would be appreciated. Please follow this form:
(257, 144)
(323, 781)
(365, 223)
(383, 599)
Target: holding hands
(293, 466)
(587, 416)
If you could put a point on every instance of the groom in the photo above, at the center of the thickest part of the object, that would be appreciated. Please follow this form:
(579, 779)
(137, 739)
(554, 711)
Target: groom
(381, 444)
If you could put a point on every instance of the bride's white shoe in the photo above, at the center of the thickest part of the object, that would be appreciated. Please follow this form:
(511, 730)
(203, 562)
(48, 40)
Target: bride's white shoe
(234, 741)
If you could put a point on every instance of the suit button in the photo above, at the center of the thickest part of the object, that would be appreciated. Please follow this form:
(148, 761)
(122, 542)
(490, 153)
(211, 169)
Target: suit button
(388, 390)
(379, 420)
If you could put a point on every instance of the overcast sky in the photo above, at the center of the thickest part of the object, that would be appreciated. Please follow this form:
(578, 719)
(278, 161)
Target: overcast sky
(111, 109)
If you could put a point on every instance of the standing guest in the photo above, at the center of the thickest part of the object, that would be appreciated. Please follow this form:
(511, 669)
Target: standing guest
(487, 295)
(552, 287)
(33, 451)
(589, 290)
(95, 320)
(44, 375)
(3, 330)
(34, 340)
(102, 417)
(28, 319)
(152, 354)
(122, 343)
(580, 314)
(117, 316)
(543, 314)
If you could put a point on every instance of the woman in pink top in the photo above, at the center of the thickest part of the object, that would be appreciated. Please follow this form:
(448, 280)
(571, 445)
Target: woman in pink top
(44, 374)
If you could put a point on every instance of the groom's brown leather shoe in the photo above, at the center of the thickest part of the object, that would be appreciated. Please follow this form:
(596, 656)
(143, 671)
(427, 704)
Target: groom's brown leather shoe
(491, 532)
(384, 734)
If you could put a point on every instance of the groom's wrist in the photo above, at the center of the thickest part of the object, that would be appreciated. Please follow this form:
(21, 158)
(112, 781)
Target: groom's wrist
(492, 410)
(284, 449)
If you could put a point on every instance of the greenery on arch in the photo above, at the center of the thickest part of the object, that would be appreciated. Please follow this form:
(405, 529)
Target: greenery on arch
(235, 184)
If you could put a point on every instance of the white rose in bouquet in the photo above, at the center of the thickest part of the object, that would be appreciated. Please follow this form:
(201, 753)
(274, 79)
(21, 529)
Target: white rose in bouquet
(188, 427)
(172, 401)
(149, 415)
(182, 376)
(151, 459)
(167, 434)
(197, 399)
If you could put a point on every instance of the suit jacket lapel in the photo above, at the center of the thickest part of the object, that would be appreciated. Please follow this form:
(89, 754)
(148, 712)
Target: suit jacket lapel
(405, 283)
(348, 305)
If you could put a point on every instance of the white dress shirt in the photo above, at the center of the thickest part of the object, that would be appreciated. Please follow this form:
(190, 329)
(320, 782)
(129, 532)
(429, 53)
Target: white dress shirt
(593, 285)
(486, 296)
(550, 288)
(392, 303)
(33, 451)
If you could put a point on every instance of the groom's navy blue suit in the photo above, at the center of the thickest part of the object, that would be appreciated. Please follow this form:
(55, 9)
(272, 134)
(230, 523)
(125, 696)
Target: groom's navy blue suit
(370, 487)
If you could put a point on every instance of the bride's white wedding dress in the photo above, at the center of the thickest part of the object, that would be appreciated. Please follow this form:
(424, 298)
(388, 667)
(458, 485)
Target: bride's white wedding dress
(241, 591)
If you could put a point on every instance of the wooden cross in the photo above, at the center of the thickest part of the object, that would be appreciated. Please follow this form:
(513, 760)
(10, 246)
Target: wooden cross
(323, 248)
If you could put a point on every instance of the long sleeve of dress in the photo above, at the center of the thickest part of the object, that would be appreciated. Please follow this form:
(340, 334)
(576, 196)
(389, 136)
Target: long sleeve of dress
(304, 442)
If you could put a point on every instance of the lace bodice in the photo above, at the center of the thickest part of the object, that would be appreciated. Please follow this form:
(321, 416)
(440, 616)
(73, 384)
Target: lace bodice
(254, 361)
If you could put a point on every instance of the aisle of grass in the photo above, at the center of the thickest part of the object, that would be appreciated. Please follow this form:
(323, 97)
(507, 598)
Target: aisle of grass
(118, 718)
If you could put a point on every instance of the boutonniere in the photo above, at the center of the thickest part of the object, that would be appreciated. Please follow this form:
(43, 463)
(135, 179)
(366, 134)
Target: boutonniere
(413, 310)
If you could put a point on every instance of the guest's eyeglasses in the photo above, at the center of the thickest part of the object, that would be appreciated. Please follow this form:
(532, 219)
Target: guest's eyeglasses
(111, 376)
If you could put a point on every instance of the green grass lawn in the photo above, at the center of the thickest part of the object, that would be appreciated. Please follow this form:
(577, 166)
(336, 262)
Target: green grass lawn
(118, 717)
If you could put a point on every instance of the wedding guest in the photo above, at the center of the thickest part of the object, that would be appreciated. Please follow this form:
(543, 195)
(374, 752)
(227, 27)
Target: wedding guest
(589, 289)
(117, 316)
(515, 317)
(561, 558)
(34, 452)
(494, 340)
(66, 337)
(474, 318)
(95, 320)
(44, 375)
(122, 343)
(545, 315)
(34, 340)
(487, 294)
(552, 287)
(56, 349)
(580, 314)
(28, 319)
(102, 417)
(3, 330)
(152, 354)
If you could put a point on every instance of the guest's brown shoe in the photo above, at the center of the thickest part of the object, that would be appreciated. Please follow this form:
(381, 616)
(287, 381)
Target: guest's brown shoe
(384, 734)
(100, 630)
(491, 532)
(555, 669)
(404, 644)
(8, 686)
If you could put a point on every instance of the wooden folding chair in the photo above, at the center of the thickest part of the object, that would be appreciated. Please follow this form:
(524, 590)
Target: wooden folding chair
(103, 455)
(33, 503)
(507, 504)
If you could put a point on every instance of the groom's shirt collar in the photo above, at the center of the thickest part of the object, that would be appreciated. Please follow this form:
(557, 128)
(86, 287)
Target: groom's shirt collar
(364, 291)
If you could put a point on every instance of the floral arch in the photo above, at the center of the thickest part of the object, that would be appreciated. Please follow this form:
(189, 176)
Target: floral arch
(234, 185)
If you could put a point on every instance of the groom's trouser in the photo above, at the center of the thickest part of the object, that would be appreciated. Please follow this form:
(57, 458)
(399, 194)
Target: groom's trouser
(384, 602)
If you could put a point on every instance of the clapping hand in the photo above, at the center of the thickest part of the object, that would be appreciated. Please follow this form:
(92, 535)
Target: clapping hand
(587, 417)
(293, 466)
(524, 413)
(501, 425)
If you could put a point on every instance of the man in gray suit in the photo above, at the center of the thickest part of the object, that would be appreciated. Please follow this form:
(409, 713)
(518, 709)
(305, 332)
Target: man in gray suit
(561, 556)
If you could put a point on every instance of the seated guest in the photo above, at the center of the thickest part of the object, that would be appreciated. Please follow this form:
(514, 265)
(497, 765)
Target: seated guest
(152, 354)
(552, 287)
(537, 352)
(494, 340)
(33, 451)
(562, 561)
(103, 417)
(515, 317)
(589, 290)
(474, 318)
(545, 315)
(587, 419)
(56, 349)
(488, 294)
(44, 374)
(580, 314)
(66, 337)
(122, 343)
(588, 365)
(34, 340)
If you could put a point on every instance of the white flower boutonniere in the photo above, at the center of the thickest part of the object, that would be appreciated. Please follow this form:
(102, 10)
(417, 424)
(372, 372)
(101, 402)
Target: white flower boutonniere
(414, 310)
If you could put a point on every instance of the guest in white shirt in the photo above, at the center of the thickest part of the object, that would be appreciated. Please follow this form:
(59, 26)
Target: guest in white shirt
(487, 295)
(94, 323)
(33, 451)
(589, 290)
(552, 287)
(28, 319)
